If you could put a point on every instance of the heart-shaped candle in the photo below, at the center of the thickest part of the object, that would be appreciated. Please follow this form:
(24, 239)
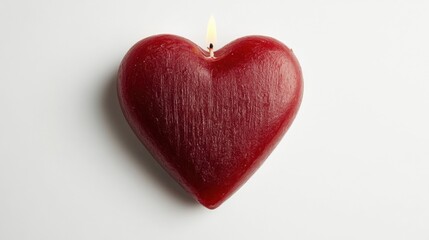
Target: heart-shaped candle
(210, 121)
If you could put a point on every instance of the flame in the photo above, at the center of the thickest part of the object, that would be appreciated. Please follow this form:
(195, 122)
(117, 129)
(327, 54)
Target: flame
(211, 31)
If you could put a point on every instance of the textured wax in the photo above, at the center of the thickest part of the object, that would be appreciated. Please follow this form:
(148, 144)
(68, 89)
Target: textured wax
(210, 122)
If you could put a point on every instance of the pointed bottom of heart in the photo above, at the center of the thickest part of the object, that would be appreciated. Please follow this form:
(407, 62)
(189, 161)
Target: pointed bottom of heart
(210, 204)
(212, 200)
(211, 192)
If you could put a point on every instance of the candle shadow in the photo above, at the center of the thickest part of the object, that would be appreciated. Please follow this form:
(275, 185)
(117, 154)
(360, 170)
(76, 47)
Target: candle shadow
(137, 152)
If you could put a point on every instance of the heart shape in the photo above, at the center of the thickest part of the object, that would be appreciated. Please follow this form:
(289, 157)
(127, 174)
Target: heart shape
(210, 122)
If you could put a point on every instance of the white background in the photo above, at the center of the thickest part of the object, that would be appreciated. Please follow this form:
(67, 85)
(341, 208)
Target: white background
(354, 165)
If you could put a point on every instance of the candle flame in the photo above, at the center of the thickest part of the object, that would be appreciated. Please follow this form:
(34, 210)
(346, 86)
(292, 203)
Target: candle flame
(211, 31)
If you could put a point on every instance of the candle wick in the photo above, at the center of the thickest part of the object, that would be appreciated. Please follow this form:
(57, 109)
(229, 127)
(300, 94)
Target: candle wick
(211, 51)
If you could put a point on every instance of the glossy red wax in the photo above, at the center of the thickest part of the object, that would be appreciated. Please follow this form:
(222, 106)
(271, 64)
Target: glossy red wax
(210, 122)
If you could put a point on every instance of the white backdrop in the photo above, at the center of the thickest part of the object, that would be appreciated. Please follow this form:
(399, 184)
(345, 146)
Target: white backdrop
(354, 165)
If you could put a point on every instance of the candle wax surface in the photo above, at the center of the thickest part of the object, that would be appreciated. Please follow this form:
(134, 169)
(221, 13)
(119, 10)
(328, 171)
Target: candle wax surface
(210, 122)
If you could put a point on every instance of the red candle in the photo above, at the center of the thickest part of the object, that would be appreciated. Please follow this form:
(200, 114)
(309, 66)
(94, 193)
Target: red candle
(210, 118)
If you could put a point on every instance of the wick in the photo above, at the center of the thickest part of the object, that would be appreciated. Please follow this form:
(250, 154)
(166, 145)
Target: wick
(211, 51)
